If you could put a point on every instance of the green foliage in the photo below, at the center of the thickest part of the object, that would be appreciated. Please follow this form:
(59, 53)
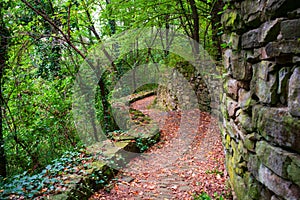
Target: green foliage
(215, 171)
(205, 196)
(44, 54)
(202, 196)
(47, 181)
(144, 143)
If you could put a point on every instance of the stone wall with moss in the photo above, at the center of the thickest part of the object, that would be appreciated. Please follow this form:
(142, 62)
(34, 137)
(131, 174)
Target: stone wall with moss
(184, 81)
(261, 100)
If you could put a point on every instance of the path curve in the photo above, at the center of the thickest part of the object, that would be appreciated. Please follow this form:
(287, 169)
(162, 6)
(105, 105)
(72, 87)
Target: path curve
(199, 169)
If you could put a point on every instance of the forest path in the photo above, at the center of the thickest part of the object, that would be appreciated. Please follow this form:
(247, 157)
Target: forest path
(179, 165)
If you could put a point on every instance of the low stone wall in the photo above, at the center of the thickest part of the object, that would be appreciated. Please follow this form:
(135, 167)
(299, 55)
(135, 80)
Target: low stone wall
(261, 100)
(180, 84)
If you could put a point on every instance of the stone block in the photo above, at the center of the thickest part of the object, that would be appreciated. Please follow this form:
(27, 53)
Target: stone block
(251, 12)
(233, 87)
(264, 84)
(278, 185)
(276, 49)
(253, 165)
(251, 39)
(283, 77)
(232, 107)
(296, 59)
(234, 41)
(277, 126)
(278, 160)
(290, 29)
(269, 31)
(241, 69)
(293, 170)
(245, 101)
(294, 14)
(278, 8)
(294, 93)
(274, 197)
(231, 20)
(244, 120)
(250, 142)
(238, 133)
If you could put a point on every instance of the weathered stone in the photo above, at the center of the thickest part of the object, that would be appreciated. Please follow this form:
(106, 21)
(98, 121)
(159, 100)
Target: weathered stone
(237, 181)
(245, 121)
(232, 107)
(278, 8)
(252, 186)
(250, 142)
(262, 54)
(279, 186)
(277, 159)
(233, 87)
(237, 131)
(275, 49)
(234, 41)
(294, 93)
(262, 134)
(251, 39)
(294, 14)
(293, 170)
(277, 126)
(231, 20)
(296, 59)
(275, 198)
(245, 100)
(290, 29)
(283, 77)
(251, 12)
(269, 31)
(241, 70)
(253, 165)
(264, 84)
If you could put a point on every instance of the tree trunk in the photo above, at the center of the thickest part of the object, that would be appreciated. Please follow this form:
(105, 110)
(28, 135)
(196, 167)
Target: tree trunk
(3, 58)
(215, 25)
(196, 26)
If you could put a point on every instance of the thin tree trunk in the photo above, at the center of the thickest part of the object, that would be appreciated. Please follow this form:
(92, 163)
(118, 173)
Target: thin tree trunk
(196, 26)
(3, 57)
(215, 25)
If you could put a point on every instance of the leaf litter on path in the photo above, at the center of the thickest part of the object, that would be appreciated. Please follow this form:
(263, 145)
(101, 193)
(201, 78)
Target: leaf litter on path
(176, 167)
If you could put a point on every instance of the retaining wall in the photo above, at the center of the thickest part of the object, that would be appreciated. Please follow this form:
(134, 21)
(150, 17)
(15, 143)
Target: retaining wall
(261, 100)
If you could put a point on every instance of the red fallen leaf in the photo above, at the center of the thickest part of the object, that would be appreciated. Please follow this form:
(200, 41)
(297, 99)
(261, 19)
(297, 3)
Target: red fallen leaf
(151, 187)
(44, 190)
(174, 187)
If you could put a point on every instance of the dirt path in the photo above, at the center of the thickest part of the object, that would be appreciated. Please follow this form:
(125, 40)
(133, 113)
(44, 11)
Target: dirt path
(189, 159)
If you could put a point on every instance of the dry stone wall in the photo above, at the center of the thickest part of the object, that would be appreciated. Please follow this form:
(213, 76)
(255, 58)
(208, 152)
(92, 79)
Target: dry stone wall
(261, 100)
(185, 87)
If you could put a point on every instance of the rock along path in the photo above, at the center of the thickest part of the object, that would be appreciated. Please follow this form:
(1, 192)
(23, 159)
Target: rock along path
(188, 160)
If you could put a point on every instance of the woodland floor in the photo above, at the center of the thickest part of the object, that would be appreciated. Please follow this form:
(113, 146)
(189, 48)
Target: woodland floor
(187, 160)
